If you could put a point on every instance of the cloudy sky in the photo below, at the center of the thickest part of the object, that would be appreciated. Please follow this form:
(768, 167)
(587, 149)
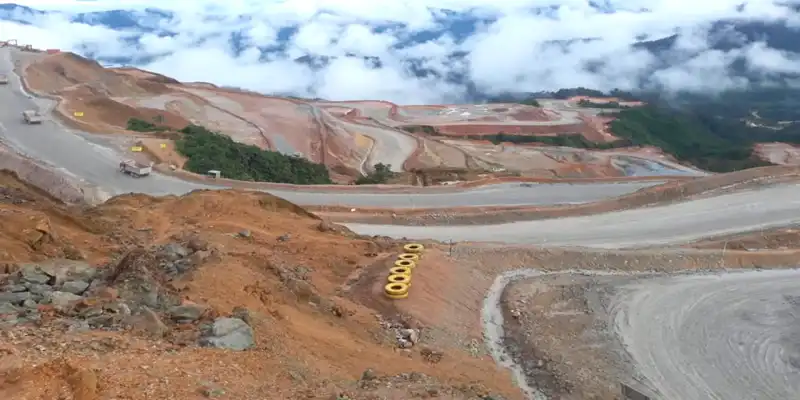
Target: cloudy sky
(514, 52)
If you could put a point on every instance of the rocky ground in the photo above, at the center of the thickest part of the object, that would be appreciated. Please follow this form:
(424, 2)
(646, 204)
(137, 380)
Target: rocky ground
(554, 314)
(219, 295)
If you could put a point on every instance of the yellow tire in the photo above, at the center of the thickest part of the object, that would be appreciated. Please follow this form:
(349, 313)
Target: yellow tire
(405, 264)
(400, 271)
(408, 256)
(397, 296)
(396, 290)
(400, 278)
(414, 248)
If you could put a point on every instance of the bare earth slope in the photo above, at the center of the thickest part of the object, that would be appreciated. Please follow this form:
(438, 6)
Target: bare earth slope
(160, 269)
(348, 137)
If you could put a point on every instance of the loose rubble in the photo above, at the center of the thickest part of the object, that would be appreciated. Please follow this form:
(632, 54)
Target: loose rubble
(129, 294)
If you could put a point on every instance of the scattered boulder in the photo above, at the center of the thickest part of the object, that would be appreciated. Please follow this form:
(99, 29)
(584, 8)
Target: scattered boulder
(148, 321)
(187, 313)
(62, 301)
(173, 251)
(411, 335)
(75, 287)
(228, 333)
(8, 309)
(14, 288)
(33, 275)
(15, 298)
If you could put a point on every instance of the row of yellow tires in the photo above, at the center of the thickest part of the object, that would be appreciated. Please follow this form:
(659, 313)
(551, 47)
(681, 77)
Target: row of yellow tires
(400, 275)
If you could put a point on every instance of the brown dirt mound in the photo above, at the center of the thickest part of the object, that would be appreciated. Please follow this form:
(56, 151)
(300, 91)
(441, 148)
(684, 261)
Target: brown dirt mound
(773, 239)
(253, 257)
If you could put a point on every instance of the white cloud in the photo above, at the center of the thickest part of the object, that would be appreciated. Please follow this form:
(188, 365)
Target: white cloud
(514, 53)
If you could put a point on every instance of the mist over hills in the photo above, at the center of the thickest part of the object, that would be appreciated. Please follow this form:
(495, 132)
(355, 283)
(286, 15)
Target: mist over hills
(424, 52)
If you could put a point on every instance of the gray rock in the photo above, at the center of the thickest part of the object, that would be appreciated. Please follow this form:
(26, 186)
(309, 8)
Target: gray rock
(117, 308)
(15, 288)
(187, 313)
(8, 309)
(77, 326)
(182, 266)
(150, 298)
(229, 333)
(29, 304)
(245, 233)
(75, 287)
(91, 312)
(63, 301)
(39, 289)
(174, 251)
(33, 275)
(60, 270)
(412, 335)
(103, 321)
(14, 298)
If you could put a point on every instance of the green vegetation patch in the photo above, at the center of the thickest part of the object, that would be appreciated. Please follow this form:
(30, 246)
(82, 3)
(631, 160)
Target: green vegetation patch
(207, 150)
(380, 174)
(685, 136)
(140, 125)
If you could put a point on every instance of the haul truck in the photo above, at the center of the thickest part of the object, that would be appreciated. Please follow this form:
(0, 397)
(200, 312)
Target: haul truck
(134, 169)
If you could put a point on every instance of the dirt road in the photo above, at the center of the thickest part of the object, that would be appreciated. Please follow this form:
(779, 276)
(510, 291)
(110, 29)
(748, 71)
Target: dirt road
(721, 337)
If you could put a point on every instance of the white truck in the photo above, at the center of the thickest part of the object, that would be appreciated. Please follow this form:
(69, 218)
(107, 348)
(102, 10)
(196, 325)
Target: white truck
(134, 169)
(32, 117)
(3, 79)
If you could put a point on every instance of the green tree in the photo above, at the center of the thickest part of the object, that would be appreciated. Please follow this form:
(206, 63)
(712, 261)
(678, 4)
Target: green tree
(140, 125)
(381, 173)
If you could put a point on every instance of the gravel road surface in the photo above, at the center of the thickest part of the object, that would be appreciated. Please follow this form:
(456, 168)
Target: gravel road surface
(714, 337)
(669, 224)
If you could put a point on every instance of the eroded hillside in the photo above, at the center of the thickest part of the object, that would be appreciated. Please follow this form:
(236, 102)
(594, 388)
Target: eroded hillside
(217, 293)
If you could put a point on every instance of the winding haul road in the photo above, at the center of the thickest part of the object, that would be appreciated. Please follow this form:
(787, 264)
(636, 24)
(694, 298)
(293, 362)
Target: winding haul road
(728, 337)
(669, 224)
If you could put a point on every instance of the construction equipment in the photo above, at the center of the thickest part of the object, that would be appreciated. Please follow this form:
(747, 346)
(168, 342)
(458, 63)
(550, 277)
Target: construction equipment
(134, 169)
(3, 79)
(32, 117)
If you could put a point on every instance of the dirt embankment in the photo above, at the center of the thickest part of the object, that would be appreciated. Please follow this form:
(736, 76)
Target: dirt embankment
(772, 239)
(216, 293)
(84, 86)
(677, 190)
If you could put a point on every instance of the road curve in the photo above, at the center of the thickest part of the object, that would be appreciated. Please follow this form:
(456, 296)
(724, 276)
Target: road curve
(83, 156)
(669, 224)
(714, 337)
